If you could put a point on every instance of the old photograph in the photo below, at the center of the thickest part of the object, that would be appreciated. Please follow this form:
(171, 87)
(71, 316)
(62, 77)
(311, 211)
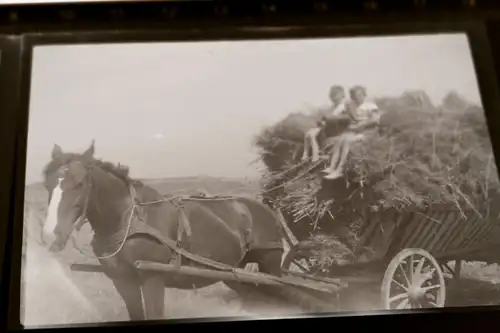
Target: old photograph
(257, 178)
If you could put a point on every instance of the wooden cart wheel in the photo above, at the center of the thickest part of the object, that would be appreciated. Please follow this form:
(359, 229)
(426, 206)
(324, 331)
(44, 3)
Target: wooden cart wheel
(413, 279)
(300, 262)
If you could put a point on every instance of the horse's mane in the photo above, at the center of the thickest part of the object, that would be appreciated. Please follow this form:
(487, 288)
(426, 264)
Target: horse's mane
(120, 171)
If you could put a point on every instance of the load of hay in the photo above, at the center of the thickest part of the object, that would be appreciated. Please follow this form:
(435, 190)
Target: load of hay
(421, 156)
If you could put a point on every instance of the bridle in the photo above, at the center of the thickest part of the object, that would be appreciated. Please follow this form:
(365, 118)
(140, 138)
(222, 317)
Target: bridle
(83, 218)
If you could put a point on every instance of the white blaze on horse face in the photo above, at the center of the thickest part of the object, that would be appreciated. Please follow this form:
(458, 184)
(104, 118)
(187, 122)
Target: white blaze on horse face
(55, 200)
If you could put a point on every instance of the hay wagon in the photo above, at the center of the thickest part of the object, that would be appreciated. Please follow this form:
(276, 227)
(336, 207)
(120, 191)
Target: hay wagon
(410, 253)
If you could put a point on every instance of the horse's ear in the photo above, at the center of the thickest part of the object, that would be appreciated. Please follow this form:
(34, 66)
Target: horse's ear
(89, 153)
(57, 152)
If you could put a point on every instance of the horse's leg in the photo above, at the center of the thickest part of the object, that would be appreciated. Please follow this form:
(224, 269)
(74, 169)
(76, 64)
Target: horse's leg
(269, 261)
(152, 285)
(126, 282)
(130, 291)
(153, 293)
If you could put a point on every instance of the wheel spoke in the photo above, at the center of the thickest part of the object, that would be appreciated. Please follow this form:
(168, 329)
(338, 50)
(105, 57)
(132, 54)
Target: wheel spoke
(433, 304)
(411, 269)
(298, 264)
(428, 288)
(400, 285)
(405, 275)
(403, 304)
(420, 265)
(398, 297)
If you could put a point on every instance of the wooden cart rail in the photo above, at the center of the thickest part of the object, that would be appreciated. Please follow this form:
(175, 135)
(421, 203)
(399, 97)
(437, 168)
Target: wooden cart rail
(440, 232)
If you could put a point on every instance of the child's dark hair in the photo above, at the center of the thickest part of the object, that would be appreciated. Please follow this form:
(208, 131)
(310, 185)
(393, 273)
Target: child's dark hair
(335, 89)
(354, 89)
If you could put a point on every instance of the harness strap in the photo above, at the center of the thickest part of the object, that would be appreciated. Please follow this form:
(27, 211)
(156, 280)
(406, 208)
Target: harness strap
(170, 243)
(138, 227)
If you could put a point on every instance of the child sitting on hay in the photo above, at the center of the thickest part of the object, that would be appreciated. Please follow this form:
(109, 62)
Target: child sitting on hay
(364, 116)
(337, 96)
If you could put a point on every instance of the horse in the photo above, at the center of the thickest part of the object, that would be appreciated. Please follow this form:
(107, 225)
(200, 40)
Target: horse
(133, 222)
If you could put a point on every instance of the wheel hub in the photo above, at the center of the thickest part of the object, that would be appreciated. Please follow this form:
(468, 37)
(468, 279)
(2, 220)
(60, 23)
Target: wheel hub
(413, 279)
(416, 293)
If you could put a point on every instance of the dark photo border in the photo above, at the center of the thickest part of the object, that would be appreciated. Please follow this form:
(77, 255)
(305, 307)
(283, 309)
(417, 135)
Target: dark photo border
(15, 78)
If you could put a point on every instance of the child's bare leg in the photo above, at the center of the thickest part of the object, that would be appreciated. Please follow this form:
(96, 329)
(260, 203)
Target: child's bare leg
(315, 147)
(349, 140)
(343, 157)
(335, 156)
(310, 142)
(305, 154)
(338, 159)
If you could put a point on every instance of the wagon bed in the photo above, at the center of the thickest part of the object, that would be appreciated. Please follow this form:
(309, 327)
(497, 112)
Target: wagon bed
(399, 241)
(445, 233)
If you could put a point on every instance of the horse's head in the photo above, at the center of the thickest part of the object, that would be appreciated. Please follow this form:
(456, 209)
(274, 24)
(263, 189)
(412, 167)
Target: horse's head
(68, 183)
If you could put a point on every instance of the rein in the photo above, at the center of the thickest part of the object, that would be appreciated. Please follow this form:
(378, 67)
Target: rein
(83, 219)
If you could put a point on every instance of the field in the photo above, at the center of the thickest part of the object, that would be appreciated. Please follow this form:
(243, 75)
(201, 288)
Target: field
(52, 294)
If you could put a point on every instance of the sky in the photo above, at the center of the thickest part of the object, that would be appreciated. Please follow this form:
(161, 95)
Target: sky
(193, 108)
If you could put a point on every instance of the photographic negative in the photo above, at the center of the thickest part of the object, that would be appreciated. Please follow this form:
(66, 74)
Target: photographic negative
(257, 178)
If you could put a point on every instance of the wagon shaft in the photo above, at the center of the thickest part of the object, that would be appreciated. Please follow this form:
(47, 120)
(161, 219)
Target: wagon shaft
(240, 275)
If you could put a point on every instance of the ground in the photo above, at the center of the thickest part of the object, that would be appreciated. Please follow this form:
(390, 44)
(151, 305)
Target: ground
(53, 294)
